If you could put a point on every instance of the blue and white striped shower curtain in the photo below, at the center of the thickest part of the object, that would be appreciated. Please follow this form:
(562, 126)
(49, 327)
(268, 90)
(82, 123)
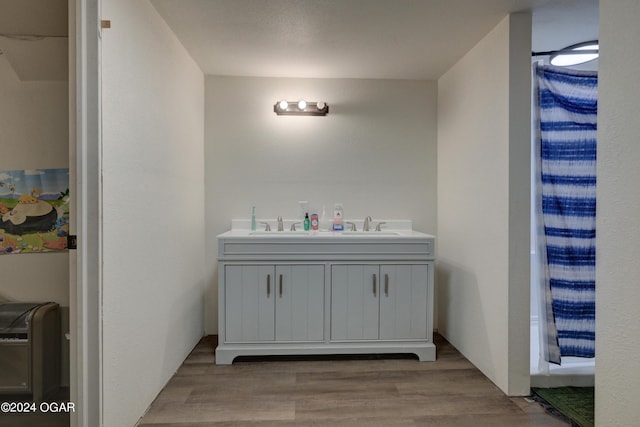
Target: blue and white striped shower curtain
(567, 130)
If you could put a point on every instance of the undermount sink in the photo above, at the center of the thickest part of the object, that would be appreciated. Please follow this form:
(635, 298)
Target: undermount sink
(278, 233)
(325, 233)
(370, 233)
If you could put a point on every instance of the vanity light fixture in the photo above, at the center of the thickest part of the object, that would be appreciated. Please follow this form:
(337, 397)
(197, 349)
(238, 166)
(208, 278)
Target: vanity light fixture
(301, 108)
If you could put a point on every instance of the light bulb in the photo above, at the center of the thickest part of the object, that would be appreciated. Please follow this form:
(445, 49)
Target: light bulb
(320, 105)
(283, 105)
(302, 104)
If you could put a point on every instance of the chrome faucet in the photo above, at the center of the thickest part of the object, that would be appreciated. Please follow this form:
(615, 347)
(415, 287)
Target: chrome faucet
(378, 226)
(280, 224)
(293, 226)
(267, 227)
(353, 226)
(367, 221)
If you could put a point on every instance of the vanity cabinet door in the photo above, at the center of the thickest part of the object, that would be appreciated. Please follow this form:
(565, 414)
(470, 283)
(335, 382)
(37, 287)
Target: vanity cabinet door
(355, 291)
(249, 303)
(403, 301)
(299, 301)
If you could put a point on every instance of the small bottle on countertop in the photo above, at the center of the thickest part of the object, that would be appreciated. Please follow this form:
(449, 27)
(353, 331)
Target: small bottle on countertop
(253, 219)
(337, 218)
(307, 222)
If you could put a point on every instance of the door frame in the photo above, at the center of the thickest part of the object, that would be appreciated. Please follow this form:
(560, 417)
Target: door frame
(85, 277)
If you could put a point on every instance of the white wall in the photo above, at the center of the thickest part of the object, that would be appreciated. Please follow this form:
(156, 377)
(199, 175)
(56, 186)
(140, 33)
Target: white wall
(483, 204)
(617, 377)
(375, 152)
(34, 130)
(152, 207)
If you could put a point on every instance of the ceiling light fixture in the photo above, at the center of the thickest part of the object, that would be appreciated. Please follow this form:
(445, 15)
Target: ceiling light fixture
(576, 54)
(301, 108)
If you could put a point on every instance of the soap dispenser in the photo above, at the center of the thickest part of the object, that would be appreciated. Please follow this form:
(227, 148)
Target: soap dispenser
(307, 222)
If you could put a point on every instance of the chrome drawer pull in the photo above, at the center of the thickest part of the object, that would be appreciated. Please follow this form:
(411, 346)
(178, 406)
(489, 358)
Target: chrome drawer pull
(386, 285)
(268, 285)
(374, 285)
(281, 286)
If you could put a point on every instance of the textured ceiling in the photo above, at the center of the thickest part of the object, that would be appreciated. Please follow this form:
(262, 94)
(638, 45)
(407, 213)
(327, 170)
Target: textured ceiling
(405, 39)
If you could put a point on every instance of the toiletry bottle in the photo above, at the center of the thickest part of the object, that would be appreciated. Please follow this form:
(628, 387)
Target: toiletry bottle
(314, 222)
(253, 219)
(307, 222)
(323, 219)
(337, 218)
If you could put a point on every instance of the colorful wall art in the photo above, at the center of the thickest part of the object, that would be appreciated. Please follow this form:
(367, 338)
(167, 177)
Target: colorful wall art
(34, 209)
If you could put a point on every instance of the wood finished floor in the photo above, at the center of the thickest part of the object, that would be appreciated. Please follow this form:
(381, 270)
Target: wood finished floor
(342, 391)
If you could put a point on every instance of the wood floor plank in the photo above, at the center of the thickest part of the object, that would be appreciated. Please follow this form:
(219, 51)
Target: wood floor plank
(353, 422)
(338, 391)
(234, 410)
(408, 406)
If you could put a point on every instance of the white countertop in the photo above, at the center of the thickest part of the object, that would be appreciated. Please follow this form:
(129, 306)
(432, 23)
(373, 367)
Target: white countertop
(390, 230)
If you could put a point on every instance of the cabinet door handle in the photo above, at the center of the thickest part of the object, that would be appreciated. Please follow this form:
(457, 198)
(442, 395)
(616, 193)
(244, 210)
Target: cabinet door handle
(374, 285)
(268, 285)
(281, 286)
(386, 285)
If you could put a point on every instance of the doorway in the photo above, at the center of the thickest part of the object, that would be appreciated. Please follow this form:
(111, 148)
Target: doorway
(572, 371)
(49, 116)
(34, 118)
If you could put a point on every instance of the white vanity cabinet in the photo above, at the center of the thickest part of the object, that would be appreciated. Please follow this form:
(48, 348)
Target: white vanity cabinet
(274, 303)
(380, 302)
(324, 294)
